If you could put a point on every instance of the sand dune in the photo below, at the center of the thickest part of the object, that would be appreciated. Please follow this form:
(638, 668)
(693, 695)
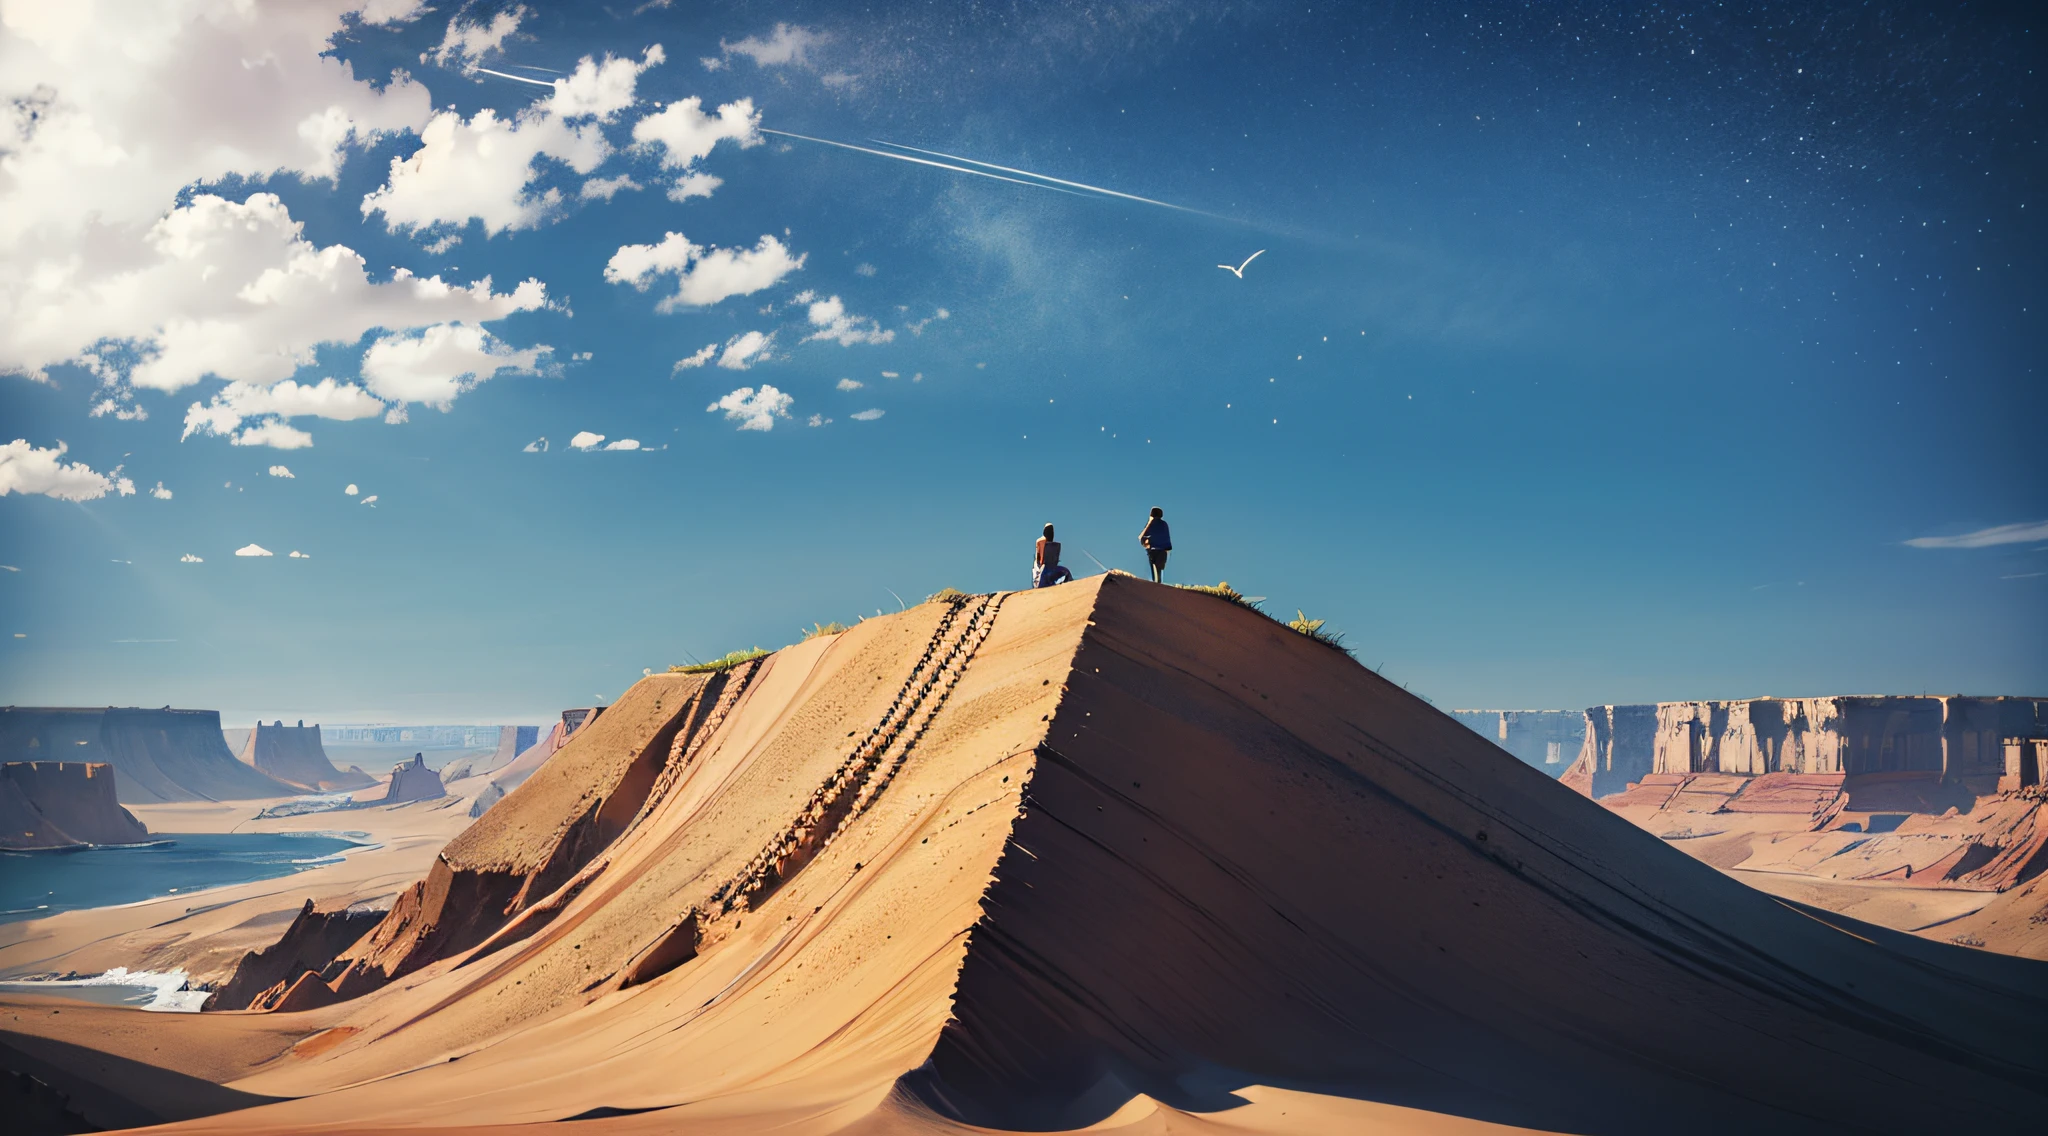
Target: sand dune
(1108, 853)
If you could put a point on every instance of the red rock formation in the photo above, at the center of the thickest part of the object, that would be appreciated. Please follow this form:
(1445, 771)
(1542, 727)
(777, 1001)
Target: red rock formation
(310, 943)
(294, 754)
(49, 804)
(160, 755)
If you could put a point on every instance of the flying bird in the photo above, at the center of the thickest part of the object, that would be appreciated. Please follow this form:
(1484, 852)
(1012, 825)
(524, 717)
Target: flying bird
(1239, 270)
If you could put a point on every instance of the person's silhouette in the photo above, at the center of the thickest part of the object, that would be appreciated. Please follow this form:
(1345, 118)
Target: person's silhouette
(1045, 563)
(1158, 541)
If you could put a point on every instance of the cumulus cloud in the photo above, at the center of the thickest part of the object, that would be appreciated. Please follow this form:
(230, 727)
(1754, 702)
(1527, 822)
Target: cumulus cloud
(850, 384)
(623, 444)
(370, 500)
(297, 555)
(224, 288)
(752, 409)
(704, 276)
(684, 135)
(280, 471)
(351, 490)
(833, 322)
(585, 440)
(818, 420)
(606, 188)
(118, 274)
(864, 269)
(746, 349)
(31, 469)
(276, 434)
(468, 42)
(237, 402)
(188, 558)
(537, 446)
(160, 493)
(785, 46)
(440, 363)
(917, 326)
(702, 357)
(889, 374)
(867, 415)
(486, 166)
(1986, 538)
(253, 549)
(120, 404)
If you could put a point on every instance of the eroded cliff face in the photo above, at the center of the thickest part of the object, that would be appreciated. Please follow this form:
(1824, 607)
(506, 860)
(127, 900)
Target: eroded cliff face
(1620, 748)
(1953, 736)
(160, 755)
(1547, 739)
(413, 781)
(48, 804)
(294, 754)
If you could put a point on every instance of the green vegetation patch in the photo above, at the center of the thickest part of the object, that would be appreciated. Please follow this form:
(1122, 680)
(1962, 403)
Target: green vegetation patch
(950, 595)
(818, 629)
(723, 662)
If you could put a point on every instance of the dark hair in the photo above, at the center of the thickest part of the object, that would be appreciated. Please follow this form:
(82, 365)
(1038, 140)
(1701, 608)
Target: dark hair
(1156, 513)
(1048, 528)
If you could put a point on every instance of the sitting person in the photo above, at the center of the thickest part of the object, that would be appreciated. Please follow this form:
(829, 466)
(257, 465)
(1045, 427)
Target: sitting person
(1045, 564)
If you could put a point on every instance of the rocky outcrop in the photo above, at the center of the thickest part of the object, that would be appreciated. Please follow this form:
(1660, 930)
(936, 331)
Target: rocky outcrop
(1548, 739)
(491, 795)
(294, 754)
(1620, 748)
(263, 978)
(158, 755)
(413, 781)
(70, 804)
(1950, 735)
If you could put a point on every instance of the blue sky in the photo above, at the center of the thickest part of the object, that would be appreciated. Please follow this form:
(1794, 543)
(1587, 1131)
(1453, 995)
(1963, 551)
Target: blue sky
(1593, 355)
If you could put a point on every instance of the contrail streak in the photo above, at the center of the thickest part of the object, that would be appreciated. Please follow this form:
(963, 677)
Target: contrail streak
(1041, 177)
(921, 161)
(520, 78)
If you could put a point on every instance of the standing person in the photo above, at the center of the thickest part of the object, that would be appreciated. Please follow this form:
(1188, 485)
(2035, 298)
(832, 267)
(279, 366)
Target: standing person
(1045, 563)
(1158, 541)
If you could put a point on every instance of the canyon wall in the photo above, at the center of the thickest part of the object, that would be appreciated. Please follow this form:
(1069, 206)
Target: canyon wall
(50, 804)
(1950, 737)
(294, 754)
(1546, 739)
(413, 781)
(159, 755)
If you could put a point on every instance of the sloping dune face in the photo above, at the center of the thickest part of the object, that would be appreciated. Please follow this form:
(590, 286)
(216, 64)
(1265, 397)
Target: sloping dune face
(1025, 861)
(1246, 860)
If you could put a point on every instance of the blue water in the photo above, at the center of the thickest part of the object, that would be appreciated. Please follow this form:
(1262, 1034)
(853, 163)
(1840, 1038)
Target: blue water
(36, 884)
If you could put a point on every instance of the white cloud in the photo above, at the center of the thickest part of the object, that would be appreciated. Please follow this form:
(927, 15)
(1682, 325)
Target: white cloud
(280, 471)
(746, 349)
(601, 90)
(440, 363)
(276, 434)
(484, 168)
(867, 415)
(585, 440)
(752, 409)
(818, 420)
(537, 446)
(836, 324)
(236, 402)
(864, 269)
(785, 45)
(120, 404)
(623, 444)
(917, 326)
(685, 135)
(28, 469)
(188, 558)
(1986, 538)
(160, 493)
(297, 555)
(370, 500)
(702, 357)
(253, 549)
(469, 42)
(351, 490)
(704, 276)
(850, 384)
(606, 188)
(221, 288)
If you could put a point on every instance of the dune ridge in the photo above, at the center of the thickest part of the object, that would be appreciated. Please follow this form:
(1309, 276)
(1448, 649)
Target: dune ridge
(1109, 852)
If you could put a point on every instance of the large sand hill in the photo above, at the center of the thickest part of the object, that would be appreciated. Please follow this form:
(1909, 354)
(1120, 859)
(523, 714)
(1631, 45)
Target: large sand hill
(1106, 854)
